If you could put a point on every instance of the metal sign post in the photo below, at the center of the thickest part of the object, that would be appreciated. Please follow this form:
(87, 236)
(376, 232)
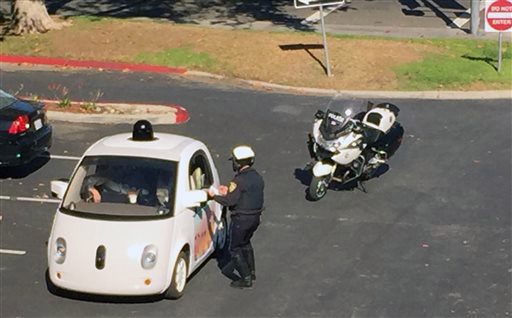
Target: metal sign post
(500, 42)
(475, 16)
(324, 37)
(320, 4)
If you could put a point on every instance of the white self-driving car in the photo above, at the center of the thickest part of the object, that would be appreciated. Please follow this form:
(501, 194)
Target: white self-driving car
(134, 217)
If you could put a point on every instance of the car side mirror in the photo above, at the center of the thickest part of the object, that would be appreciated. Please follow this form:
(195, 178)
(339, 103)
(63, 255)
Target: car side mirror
(194, 198)
(59, 187)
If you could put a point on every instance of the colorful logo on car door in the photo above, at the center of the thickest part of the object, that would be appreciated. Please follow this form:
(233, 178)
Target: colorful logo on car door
(204, 225)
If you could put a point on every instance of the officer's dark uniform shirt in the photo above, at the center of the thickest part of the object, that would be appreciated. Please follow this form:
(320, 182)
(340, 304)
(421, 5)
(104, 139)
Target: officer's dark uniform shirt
(245, 193)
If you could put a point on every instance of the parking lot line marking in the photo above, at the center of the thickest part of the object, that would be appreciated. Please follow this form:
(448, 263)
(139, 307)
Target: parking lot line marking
(64, 157)
(315, 17)
(463, 19)
(14, 252)
(8, 198)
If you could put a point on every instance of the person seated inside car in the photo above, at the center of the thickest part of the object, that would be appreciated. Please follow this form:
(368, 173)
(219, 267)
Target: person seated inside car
(133, 185)
(102, 189)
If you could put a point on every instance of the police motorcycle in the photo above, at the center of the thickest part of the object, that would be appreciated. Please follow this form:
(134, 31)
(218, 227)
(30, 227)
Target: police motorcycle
(348, 146)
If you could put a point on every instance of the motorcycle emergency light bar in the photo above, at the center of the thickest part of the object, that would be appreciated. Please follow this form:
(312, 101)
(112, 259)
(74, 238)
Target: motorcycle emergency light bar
(300, 4)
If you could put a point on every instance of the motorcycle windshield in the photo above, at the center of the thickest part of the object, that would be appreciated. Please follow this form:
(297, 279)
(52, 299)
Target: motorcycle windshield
(339, 119)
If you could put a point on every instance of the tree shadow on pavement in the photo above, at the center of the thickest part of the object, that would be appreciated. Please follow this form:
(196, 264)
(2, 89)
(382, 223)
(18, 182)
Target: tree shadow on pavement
(214, 12)
(438, 7)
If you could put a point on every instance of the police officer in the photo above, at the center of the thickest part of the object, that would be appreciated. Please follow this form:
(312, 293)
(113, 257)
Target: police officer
(244, 197)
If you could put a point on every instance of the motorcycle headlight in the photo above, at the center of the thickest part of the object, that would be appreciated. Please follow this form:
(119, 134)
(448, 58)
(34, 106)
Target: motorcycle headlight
(60, 251)
(332, 146)
(328, 144)
(149, 257)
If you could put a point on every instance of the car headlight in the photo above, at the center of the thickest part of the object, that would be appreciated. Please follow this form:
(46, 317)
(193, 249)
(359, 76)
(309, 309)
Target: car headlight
(60, 250)
(149, 257)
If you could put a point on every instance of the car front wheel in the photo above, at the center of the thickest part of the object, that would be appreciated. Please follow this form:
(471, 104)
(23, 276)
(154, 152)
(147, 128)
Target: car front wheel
(179, 278)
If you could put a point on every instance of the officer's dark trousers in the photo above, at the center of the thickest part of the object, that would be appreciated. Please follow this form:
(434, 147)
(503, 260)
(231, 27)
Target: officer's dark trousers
(241, 231)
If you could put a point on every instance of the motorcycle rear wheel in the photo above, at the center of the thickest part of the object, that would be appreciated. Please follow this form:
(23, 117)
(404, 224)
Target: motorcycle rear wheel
(317, 188)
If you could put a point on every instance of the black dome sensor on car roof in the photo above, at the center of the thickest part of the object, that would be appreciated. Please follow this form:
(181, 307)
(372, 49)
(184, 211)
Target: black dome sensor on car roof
(142, 131)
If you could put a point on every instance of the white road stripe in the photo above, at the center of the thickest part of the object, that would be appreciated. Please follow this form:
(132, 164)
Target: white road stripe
(64, 157)
(8, 198)
(42, 200)
(459, 22)
(14, 252)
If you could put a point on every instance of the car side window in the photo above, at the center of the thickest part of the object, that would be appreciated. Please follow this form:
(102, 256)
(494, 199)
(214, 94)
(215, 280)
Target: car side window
(200, 175)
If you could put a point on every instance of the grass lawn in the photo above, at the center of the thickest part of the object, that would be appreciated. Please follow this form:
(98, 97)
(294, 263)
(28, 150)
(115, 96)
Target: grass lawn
(289, 58)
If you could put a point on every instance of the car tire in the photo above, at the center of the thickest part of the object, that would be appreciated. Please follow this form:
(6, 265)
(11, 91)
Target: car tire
(179, 277)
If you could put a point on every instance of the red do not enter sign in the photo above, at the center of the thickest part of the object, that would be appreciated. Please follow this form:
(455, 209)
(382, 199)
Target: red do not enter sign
(498, 16)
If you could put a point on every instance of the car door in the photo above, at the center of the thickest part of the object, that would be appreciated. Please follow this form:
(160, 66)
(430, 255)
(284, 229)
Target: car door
(201, 178)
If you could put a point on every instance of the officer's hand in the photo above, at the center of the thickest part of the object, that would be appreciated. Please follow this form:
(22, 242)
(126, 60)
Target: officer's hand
(223, 190)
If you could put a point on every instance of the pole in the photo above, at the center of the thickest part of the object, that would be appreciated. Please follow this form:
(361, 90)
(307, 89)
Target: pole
(475, 16)
(500, 40)
(326, 51)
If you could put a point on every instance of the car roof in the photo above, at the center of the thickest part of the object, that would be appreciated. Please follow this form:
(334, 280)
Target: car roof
(163, 146)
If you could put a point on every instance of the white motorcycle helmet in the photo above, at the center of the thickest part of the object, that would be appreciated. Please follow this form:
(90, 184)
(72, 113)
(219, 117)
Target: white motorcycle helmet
(242, 156)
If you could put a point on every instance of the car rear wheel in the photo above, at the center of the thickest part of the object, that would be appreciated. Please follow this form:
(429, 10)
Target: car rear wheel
(179, 278)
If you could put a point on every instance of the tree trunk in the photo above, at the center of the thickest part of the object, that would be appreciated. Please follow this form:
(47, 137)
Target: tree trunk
(31, 16)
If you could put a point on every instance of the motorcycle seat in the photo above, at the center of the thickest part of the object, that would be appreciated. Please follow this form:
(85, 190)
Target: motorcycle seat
(370, 135)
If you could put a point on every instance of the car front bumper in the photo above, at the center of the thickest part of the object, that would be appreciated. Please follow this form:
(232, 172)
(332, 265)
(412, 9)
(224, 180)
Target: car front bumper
(113, 284)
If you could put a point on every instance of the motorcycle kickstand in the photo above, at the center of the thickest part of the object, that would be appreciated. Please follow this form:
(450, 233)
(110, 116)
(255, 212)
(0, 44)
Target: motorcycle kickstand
(360, 186)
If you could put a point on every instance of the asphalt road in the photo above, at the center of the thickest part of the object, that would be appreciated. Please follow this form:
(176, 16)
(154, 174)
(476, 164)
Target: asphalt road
(431, 238)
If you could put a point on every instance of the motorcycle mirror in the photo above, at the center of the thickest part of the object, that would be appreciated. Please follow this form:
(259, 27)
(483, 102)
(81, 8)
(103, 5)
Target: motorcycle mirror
(369, 106)
(319, 114)
(348, 112)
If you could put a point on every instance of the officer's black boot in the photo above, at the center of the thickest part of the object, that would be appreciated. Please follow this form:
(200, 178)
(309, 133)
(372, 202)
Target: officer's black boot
(229, 270)
(242, 283)
(249, 256)
(243, 268)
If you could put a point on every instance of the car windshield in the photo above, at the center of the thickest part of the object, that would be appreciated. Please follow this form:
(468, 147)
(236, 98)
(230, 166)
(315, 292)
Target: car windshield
(6, 99)
(122, 186)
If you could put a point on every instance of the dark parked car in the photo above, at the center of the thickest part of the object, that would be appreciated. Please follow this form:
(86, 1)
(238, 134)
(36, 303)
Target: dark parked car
(24, 130)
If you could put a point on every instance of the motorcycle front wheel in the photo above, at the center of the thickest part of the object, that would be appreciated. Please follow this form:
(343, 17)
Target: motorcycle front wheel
(317, 188)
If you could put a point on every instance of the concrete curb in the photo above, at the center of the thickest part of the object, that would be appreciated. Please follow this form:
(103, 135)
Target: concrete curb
(103, 65)
(441, 95)
(156, 114)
